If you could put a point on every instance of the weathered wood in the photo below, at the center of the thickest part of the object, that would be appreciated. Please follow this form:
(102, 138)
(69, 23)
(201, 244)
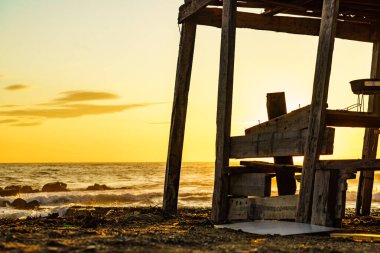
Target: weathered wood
(250, 185)
(341, 118)
(294, 25)
(178, 120)
(191, 8)
(371, 138)
(291, 143)
(316, 129)
(324, 199)
(286, 183)
(267, 208)
(224, 111)
(270, 167)
(239, 209)
(350, 164)
(295, 120)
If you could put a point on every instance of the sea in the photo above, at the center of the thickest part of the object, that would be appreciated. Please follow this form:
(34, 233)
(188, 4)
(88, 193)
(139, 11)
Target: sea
(134, 185)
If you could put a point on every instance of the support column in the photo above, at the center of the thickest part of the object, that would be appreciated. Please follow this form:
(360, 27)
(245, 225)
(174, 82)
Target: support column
(178, 120)
(224, 111)
(318, 108)
(286, 183)
(371, 137)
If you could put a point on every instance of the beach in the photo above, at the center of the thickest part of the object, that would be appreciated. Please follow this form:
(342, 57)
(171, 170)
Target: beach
(124, 214)
(86, 229)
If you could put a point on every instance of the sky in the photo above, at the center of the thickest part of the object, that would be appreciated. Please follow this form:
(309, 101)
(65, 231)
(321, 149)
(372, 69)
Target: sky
(93, 81)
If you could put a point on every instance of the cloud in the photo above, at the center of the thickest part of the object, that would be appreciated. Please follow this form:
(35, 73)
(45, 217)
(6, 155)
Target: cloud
(27, 124)
(72, 110)
(6, 121)
(15, 87)
(77, 96)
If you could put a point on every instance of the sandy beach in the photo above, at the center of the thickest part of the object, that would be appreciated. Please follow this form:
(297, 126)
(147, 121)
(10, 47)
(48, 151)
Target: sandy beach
(147, 230)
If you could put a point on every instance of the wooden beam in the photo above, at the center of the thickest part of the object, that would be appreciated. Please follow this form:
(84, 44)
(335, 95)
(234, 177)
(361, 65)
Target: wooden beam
(190, 8)
(342, 118)
(325, 195)
(224, 111)
(316, 129)
(253, 184)
(350, 164)
(291, 143)
(293, 25)
(270, 167)
(371, 139)
(295, 120)
(266, 208)
(286, 183)
(178, 120)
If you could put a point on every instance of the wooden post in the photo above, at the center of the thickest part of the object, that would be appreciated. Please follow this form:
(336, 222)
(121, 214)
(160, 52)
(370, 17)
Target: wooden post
(224, 111)
(318, 108)
(371, 137)
(286, 183)
(324, 198)
(178, 120)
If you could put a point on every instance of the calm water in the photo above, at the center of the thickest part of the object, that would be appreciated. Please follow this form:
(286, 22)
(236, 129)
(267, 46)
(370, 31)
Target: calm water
(142, 183)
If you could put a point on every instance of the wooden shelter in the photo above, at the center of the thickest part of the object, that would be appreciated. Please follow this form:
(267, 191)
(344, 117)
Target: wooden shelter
(307, 130)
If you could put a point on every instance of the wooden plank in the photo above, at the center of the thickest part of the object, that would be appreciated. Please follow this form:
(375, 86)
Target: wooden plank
(371, 139)
(224, 111)
(342, 118)
(250, 185)
(294, 25)
(274, 208)
(295, 120)
(178, 120)
(291, 143)
(266, 208)
(316, 129)
(239, 209)
(190, 8)
(350, 164)
(324, 198)
(270, 167)
(286, 183)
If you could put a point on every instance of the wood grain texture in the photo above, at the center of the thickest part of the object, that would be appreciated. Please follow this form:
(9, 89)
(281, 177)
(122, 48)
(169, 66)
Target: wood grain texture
(295, 120)
(341, 118)
(316, 127)
(191, 8)
(371, 139)
(224, 111)
(290, 143)
(178, 120)
(350, 164)
(253, 184)
(286, 183)
(324, 199)
(294, 25)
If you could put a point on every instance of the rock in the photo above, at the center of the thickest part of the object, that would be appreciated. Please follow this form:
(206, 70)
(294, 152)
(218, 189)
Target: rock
(13, 187)
(55, 187)
(19, 204)
(33, 204)
(23, 205)
(4, 203)
(98, 187)
(27, 189)
(8, 192)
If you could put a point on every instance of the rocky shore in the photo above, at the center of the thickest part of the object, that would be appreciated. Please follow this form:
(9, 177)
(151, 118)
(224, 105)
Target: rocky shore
(147, 230)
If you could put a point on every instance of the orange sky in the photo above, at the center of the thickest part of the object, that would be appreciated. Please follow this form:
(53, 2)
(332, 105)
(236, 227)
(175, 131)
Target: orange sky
(93, 80)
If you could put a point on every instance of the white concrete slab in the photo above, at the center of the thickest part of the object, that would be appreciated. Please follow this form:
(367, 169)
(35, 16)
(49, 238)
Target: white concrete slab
(273, 227)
